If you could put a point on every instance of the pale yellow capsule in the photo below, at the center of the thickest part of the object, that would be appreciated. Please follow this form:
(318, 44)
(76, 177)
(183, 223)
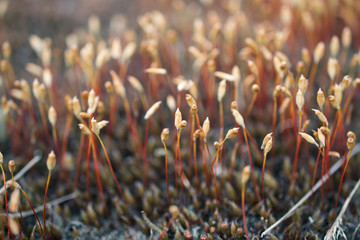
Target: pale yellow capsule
(206, 126)
(76, 107)
(128, 52)
(334, 103)
(84, 129)
(321, 138)
(303, 84)
(345, 82)
(47, 77)
(350, 143)
(190, 100)
(308, 138)
(115, 51)
(319, 52)
(14, 201)
(118, 86)
(235, 72)
(338, 93)
(346, 37)
(300, 101)
(334, 46)
(152, 110)
(232, 133)
(93, 102)
(265, 140)
(245, 175)
(183, 125)
(320, 98)
(253, 68)
(51, 161)
(52, 116)
(221, 90)
(268, 146)
(351, 134)
(14, 226)
(165, 134)
(94, 126)
(159, 71)
(225, 76)
(171, 103)
(135, 83)
(238, 118)
(178, 118)
(321, 116)
(332, 68)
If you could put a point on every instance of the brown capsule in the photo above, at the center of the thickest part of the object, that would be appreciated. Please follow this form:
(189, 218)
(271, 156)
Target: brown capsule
(325, 130)
(11, 166)
(351, 134)
(350, 143)
(356, 82)
(193, 109)
(255, 88)
(233, 105)
(183, 125)
(165, 134)
(109, 87)
(277, 91)
(196, 134)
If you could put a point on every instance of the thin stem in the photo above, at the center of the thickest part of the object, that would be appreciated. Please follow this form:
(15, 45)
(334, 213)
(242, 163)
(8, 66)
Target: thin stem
(66, 137)
(243, 210)
(315, 170)
(27, 198)
(43, 119)
(221, 115)
(166, 171)
(262, 176)
(78, 160)
(111, 168)
(6, 202)
(298, 141)
(98, 179)
(55, 139)
(251, 106)
(195, 163)
(88, 168)
(180, 167)
(274, 115)
(252, 166)
(336, 128)
(347, 158)
(46, 190)
(144, 157)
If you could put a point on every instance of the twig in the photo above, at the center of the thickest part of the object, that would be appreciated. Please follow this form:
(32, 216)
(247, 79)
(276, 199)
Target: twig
(336, 230)
(318, 184)
(26, 168)
(41, 208)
